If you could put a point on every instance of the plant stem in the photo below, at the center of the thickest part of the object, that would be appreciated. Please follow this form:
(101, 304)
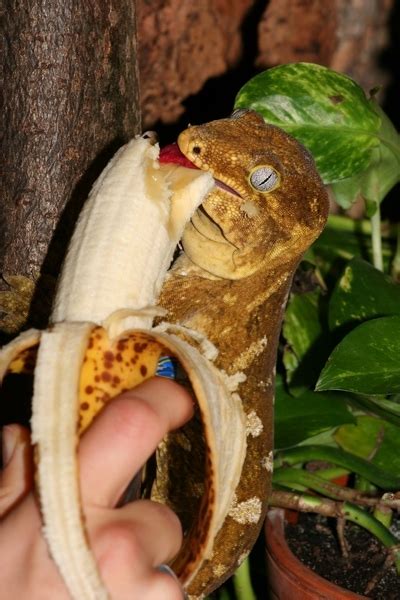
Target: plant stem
(363, 485)
(384, 514)
(332, 473)
(242, 582)
(303, 503)
(361, 227)
(377, 240)
(299, 480)
(384, 409)
(396, 259)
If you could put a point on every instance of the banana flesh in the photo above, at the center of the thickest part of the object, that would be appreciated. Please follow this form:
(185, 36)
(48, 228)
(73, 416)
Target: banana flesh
(102, 341)
(126, 236)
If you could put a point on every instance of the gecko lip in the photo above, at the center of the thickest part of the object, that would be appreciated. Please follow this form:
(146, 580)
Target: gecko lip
(226, 188)
(207, 228)
(173, 154)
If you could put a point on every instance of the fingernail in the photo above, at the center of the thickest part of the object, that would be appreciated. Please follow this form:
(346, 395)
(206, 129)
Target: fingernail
(9, 442)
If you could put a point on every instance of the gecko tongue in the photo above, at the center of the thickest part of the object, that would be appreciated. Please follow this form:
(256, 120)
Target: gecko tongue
(172, 154)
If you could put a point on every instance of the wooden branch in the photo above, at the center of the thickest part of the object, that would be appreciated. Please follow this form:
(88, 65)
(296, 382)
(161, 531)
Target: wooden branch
(71, 98)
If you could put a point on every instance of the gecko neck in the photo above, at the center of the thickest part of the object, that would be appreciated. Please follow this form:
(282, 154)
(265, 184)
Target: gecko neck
(248, 309)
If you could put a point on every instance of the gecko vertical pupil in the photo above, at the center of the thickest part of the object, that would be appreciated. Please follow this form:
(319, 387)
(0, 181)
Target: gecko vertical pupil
(264, 178)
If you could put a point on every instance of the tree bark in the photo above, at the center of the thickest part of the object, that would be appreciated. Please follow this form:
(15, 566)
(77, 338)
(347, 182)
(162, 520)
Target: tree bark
(71, 98)
(182, 44)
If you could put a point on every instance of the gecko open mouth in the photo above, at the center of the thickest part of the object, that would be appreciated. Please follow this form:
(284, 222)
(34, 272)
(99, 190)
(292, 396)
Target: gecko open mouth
(173, 154)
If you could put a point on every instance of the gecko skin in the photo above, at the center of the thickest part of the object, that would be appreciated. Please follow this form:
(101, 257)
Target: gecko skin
(241, 250)
(262, 205)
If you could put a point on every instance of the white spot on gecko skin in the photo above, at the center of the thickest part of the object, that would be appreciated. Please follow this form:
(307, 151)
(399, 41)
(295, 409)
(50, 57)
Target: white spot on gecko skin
(242, 558)
(233, 381)
(218, 570)
(268, 462)
(248, 511)
(247, 356)
(254, 426)
(249, 209)
(229, 299)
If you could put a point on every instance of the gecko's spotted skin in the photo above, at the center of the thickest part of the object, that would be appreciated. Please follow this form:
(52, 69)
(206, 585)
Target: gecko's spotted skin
(262, 205)
(241, 249)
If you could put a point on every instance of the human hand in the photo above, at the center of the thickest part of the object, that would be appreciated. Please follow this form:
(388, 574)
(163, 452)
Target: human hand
(130, 542)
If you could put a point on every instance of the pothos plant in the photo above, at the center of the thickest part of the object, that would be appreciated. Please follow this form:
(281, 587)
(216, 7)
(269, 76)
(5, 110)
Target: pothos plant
(338, 383)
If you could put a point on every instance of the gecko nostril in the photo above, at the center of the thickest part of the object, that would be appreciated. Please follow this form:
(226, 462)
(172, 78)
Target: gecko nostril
(196, 149)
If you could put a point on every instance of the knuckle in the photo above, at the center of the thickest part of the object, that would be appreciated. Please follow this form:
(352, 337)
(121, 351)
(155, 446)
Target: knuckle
(122, 544)
(133, 416)
(169, 517)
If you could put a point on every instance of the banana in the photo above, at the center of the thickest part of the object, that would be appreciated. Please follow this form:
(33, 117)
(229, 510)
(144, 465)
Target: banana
(217, 312)
(126, 236)
(101, 341)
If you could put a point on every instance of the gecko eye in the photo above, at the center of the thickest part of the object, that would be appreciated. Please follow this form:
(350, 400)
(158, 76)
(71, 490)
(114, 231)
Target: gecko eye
(264, 178)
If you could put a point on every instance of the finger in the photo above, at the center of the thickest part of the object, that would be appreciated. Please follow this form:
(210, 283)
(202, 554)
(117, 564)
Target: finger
(16, 478)
(143, 534)
(125, 435)
(133, 541)
(166, 587)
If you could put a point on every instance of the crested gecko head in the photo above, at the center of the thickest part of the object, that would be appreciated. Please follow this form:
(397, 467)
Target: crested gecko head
(268, 205)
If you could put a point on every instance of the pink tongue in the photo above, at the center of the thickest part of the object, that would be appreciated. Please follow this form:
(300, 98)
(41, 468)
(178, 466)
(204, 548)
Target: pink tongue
(172, 154)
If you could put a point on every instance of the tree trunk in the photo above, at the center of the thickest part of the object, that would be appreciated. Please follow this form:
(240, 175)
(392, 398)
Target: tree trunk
(71, 98)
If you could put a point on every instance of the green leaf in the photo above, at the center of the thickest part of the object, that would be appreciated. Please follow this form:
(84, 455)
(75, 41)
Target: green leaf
(301, 326)
(297, 419)
(382, 174)
(373, 439)
(362, 292)
(385, 164)
(388, 405)
(346, 191)
(303, 333)
(377, 405)
(326, 111)
(344, 238)
(366, 361)
(382, 477)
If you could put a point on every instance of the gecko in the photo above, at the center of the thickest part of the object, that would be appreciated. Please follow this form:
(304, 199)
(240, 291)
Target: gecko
(241, 249)
(244, 201)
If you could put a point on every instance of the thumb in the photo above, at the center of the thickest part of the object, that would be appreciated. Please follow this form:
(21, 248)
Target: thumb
(125, 434)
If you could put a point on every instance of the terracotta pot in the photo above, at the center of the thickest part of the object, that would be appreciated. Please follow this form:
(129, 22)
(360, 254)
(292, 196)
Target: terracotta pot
(290, 579)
